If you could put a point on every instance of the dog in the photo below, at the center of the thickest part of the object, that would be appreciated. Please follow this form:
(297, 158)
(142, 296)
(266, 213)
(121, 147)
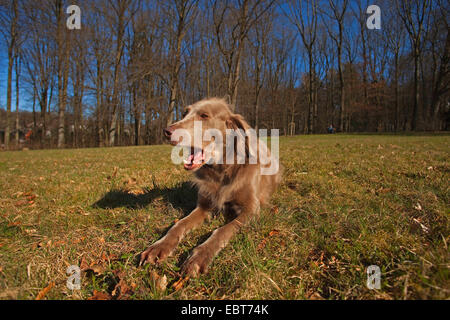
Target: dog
(237, 190)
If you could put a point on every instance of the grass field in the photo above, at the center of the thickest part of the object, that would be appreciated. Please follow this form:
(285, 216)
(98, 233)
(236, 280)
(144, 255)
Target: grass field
(346, 202)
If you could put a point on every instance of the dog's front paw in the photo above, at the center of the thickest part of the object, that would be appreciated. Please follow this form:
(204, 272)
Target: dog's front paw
(197, 263)
(156, 252)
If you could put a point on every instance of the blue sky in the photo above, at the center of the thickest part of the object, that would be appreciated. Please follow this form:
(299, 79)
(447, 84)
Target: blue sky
(26, 99)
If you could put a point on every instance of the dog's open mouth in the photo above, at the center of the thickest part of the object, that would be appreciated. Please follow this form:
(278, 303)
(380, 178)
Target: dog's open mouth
(195, 160)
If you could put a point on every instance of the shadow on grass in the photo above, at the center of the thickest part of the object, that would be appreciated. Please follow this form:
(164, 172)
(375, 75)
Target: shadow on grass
(183, 196)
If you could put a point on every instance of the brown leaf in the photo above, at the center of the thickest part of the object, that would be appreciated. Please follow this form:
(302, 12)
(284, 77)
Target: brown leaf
(21, 203)
(131, 181)
(315, 296)
(263, 242)
(121, 290)
(273, 232)
(180, 283)
(78, 240)
(96, 268)
(136, 192)
(83, 264)
(160, 282)
(115, 171)
(100, 296)
(44, 291)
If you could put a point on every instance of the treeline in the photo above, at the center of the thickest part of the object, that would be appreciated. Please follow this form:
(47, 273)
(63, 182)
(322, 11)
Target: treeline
(299, 66)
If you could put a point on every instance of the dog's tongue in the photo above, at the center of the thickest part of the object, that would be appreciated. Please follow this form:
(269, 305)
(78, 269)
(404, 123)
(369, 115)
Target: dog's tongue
(194, 160)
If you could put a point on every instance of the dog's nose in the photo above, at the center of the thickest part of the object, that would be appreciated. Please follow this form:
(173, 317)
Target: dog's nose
(168, 132)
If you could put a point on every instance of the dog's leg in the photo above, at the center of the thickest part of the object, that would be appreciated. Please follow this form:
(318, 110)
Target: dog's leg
(203, 255)
(162, 248)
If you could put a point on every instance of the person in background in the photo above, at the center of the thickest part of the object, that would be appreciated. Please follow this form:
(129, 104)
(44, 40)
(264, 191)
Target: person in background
(330, 129)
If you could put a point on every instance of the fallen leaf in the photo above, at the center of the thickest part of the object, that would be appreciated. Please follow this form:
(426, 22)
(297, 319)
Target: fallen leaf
(21, 203)
(180, 283)
(263, 242)
(131, 181)
(315, 296)
(136, 192)
(96, 268)
(100, 296)
(83, 264)
(273, 232)
(160, 282)
(44, 291)
(121, 290)
(30, 231)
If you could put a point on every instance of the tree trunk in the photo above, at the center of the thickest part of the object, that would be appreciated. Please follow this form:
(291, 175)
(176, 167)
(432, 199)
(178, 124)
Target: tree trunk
(118, 58)
(17, 99)
(11, 48)
(415, 115)
(397, 102)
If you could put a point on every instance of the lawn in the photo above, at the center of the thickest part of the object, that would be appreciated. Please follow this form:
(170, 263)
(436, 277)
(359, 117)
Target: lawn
(346, 202)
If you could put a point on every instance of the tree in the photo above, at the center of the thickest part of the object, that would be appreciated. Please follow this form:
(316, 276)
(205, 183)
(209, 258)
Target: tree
(414, 14)
(123, 11)
(303, 14)
(183, 12)
(338, 14)
(9, 27)
(232, 24)
(62, 66)
(17, 67)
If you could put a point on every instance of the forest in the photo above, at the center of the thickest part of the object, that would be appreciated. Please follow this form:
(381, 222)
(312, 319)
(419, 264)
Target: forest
(129, 67)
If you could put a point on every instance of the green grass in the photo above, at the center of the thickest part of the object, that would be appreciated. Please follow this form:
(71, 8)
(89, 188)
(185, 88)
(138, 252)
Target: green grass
(346, 202)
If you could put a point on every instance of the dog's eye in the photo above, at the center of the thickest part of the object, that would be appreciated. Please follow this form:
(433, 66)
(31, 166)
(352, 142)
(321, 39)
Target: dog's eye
(204, 116)
(185, 113)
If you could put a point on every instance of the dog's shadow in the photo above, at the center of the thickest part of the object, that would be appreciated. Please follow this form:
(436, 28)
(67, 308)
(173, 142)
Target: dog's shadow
(183, 197)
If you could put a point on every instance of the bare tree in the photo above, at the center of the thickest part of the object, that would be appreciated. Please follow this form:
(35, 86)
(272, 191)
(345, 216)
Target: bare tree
(338, 10)
(303, 14)
(414, 14)
(62, 53)
(183, 12)
(232, 24)
(17, 67)
(394, 33)
(9, 30)
(123, 11)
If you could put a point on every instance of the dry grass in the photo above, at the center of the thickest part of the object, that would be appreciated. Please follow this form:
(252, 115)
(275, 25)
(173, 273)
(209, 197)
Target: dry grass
(347, 202)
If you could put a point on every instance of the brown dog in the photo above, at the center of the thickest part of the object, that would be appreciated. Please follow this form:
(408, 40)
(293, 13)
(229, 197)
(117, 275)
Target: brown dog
(237, 190)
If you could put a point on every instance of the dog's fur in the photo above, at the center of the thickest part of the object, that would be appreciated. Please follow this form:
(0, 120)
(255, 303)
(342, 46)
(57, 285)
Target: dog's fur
(237, 190)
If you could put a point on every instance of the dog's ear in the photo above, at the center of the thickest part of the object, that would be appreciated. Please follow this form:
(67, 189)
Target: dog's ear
(237, 123)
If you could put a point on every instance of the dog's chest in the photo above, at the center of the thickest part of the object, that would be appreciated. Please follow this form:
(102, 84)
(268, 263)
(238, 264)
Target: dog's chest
(216, 192)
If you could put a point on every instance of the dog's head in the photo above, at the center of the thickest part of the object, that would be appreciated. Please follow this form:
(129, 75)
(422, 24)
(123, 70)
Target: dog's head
(204, 123)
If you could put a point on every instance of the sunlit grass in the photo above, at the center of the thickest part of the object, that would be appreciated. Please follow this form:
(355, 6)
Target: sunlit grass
(346, 202)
